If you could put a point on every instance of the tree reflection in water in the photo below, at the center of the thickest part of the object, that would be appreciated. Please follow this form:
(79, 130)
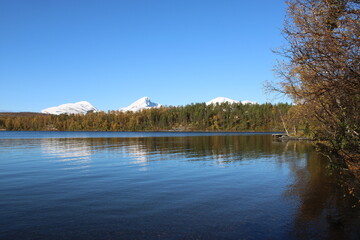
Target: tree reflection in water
(322, 208)
(325, 209)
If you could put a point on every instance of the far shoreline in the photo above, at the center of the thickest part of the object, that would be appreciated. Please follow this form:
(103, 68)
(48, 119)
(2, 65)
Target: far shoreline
(154, 131)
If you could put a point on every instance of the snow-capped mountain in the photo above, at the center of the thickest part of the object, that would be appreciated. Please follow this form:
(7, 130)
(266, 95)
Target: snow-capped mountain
(141, 104)
(71, 108)
(84, 107)
(221, 100)
(248, 102)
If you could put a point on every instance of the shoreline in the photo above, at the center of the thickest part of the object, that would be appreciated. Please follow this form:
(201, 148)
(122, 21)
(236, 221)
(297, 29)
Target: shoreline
(285, 137)
(162, 131)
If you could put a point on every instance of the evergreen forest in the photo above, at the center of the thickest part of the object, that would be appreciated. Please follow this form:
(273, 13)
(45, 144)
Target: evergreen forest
(192, 117)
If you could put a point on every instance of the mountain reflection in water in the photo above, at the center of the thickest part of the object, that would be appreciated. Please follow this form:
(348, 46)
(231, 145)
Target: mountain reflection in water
(201, 187)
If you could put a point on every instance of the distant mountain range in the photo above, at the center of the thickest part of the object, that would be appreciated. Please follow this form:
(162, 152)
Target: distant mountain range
(84, 107)
(71, 108)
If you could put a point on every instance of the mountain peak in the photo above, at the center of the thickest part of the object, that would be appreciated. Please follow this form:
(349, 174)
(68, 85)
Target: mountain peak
(248, 102)
(81, 107)
(140, 104)
(83, 103)
(220, 100)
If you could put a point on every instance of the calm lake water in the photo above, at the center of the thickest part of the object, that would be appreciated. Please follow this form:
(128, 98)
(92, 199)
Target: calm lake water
(95, 185)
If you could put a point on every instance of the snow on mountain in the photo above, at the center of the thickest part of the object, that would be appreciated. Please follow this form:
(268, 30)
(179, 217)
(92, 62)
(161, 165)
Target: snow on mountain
(141, 104)
(220, 100)
(248, 102)
(71, 108)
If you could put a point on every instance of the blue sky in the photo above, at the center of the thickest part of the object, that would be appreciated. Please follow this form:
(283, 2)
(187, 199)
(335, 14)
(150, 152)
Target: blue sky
(111, 53)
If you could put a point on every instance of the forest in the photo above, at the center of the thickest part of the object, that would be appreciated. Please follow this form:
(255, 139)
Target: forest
(192, 117)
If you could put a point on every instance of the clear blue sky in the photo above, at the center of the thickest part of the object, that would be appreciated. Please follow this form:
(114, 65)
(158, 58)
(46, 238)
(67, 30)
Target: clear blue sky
(111, 53)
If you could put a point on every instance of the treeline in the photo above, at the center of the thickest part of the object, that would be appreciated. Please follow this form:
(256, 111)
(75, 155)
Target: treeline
(193, 117)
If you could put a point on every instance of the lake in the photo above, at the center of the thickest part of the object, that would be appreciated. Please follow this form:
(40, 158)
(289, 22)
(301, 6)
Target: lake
(121, 185)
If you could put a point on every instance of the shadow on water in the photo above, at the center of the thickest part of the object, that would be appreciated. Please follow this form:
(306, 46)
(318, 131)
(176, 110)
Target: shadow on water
(319, 208)
(325, 208)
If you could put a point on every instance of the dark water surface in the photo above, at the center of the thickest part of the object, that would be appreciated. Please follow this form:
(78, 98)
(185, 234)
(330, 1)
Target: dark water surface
(92, 185)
